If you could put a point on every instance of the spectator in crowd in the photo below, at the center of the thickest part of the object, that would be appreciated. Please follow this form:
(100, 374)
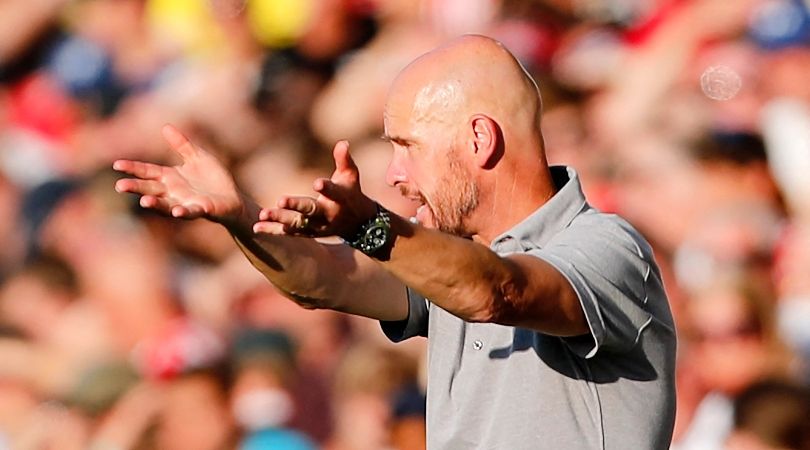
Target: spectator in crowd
(771, 415)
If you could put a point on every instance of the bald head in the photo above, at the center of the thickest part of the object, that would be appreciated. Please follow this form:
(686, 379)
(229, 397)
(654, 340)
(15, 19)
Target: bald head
(469, 75)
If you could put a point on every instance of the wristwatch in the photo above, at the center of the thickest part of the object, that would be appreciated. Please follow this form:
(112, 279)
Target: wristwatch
(374, 235)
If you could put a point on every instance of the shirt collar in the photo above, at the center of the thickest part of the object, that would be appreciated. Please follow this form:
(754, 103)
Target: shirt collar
(551, 217)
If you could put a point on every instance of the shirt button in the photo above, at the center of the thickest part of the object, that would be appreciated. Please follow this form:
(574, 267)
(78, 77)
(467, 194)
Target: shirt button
(478, 345)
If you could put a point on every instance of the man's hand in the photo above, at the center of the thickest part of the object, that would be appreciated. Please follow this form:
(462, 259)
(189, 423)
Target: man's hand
(339, 210)
(199, 187)
(313, 274)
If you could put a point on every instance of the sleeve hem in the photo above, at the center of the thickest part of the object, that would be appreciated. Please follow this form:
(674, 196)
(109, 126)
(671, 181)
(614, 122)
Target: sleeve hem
(414, 325)
(580, 345)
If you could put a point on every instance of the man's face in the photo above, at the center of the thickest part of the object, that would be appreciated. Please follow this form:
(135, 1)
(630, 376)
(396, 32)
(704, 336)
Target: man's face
(427, 168)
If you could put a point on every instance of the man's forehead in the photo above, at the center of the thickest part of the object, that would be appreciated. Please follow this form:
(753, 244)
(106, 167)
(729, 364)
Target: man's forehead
(397, 111)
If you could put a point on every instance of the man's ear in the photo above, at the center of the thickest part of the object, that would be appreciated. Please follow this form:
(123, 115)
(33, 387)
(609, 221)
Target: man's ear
(486, 141)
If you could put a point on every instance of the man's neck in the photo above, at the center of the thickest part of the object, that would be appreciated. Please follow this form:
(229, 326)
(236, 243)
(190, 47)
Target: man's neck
(513, 198)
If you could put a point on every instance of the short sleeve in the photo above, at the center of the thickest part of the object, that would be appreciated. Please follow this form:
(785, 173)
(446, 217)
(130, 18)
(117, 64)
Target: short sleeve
(612, 271)
(415, 325)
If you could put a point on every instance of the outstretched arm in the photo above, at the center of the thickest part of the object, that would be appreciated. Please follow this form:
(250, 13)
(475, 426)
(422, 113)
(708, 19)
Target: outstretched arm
(313, 274)
(473, 282)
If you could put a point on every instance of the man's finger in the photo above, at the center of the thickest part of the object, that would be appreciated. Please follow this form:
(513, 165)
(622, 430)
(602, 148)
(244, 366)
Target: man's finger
(178, 141)
(143, 187)
(144, 170)
(179, 211)
(330, 189)
(343, 160)
(286, 217)
(266, 214)
(157, 203)
(283, 222)
(307, 206)
(268, 228)
(187, 211)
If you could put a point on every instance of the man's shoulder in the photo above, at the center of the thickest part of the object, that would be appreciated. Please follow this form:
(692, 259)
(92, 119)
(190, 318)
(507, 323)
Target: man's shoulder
(594, 227)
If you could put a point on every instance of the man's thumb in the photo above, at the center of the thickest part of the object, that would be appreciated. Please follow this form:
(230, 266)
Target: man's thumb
(343, 160)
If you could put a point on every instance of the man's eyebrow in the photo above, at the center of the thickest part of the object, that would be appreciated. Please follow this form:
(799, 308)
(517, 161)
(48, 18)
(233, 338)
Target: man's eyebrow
(396, 140)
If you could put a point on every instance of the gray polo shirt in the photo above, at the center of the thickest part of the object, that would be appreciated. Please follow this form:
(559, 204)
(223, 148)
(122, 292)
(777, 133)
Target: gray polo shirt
(498, 387)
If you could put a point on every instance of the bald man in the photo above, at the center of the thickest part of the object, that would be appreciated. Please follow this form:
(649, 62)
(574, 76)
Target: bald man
(547, 321)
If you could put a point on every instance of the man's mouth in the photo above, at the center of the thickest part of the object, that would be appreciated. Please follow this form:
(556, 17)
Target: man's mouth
(424, 215)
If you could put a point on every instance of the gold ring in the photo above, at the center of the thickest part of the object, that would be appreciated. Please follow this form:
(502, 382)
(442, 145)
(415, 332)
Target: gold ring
(304, 222)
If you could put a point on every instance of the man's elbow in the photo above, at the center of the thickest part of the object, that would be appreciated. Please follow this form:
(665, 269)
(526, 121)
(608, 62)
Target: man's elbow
(480, 314)
(510, 304)
(472, 305)
(497, 305)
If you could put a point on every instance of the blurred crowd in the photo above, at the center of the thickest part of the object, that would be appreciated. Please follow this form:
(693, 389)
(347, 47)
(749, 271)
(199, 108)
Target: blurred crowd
(120, 329)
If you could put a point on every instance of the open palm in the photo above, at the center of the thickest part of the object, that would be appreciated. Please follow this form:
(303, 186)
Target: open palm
(199, 187)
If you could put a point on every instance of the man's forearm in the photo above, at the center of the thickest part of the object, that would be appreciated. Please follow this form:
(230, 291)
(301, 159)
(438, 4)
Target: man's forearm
(319, 275)
(474, 283)
(459, 275)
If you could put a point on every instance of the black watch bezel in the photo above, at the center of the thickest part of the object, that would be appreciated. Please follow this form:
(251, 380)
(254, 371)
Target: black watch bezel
(373, 235)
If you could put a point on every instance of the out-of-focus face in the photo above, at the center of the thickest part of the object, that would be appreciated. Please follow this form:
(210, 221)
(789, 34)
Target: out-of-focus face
(730, 352)
(195, 417)
(29, 304)
(260, 400)
(427, 165)
(17, 403)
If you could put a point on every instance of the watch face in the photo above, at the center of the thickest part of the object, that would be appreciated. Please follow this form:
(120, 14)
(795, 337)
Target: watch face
(376, 236)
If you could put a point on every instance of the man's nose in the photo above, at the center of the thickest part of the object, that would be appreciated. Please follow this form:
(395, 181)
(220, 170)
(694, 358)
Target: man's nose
(395, 174)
